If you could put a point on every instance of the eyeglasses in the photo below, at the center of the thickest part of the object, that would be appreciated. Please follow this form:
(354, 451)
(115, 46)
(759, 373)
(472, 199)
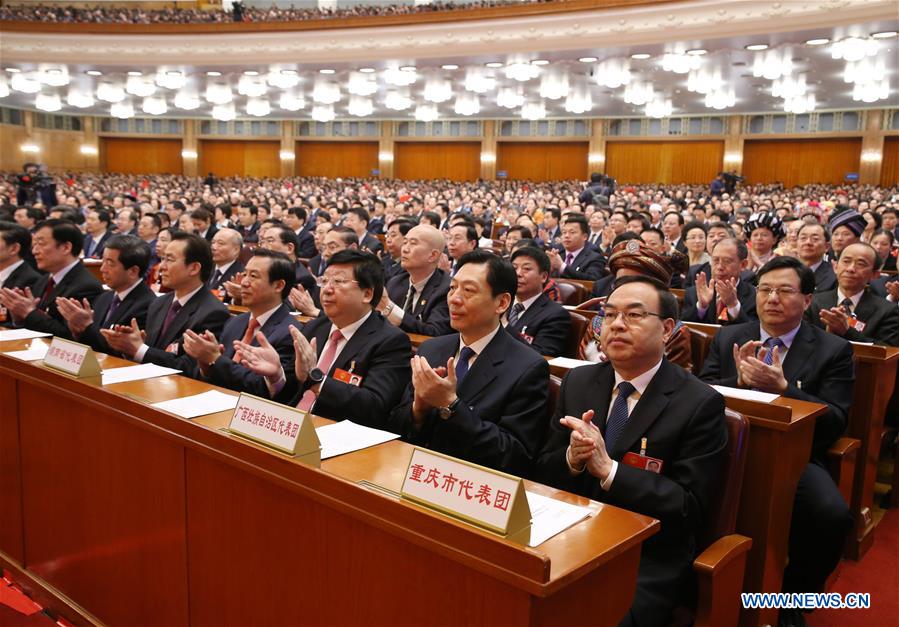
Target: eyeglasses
(631, 316)
(766, 291)
(324, 282)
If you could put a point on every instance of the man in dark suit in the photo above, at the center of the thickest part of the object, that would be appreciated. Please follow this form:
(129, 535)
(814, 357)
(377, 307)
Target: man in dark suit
(579, 260)
(533, 318)
(612, 419)
(350, 363)
(717, 231)
(852, 311)
(126, 221)
(15, 246)
(226, 246)
(56, 245)
(202, 220)
(247, 222)
(727, 298)
(673, 226)
(281, 239)
(357, 219)
(269, 277)
(295, 219)
(185, 268)
(478, 395)
(813, 240)
(125, 260)
(415, 300)
(97, 226)
(393, 246)
(339, 238)
(797, 360)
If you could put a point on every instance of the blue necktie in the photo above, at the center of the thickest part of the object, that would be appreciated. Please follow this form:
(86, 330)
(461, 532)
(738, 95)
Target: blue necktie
(770, 343)
(618, 416)
(462, 365)
(116, 301)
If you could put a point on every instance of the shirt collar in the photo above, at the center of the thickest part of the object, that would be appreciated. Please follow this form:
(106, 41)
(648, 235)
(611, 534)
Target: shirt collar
(418, 287)
(224, 268)
(124, 293)
(7, 271)
(786, 338)
(527, 303)
(479, 345)
(841, 296)
(574, 253)
(263, 318)
(348, 331)
(640, 382)
(184, 301)
(59, 276)
(814, 268)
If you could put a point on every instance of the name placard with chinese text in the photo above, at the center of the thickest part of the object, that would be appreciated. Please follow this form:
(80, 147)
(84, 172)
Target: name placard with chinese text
(72, 358)
(485, 497)
(278, 426)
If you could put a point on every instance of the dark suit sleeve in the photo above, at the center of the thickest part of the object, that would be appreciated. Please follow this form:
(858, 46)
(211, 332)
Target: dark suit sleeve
(307, 246)
(41, 321)
(232, 375)
(690, 312)
(590, 270)
(214, 321)
(887, 331)
(718, 368)
(551, 334)
(551, 467)
(368, 404)
(436, 323)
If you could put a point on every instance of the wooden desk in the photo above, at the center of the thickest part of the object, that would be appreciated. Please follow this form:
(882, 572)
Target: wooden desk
(141, 517)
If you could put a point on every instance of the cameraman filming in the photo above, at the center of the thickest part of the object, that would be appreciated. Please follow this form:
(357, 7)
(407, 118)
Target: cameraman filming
(35, 185)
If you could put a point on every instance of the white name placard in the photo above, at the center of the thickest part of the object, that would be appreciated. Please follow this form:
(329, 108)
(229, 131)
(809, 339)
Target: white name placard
(72, 358)
(485, 497)
(280, 427)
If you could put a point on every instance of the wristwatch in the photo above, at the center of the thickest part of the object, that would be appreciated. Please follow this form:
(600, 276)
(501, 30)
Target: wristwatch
(316, 376)
(446, 412)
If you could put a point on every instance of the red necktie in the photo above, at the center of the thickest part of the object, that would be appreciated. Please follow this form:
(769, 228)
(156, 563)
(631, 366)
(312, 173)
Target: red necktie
(324, 364)
(722, 311)
(45, 297)
(251, 331)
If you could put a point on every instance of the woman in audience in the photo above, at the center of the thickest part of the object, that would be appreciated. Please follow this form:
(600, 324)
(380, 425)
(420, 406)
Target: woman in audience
(883, 242)
(694, 235)
(763, 229)
(163, 239)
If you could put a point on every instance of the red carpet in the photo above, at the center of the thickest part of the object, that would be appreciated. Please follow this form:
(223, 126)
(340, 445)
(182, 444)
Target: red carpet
(878, 574)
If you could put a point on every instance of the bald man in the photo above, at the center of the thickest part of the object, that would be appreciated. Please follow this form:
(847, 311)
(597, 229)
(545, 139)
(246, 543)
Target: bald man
(415, 299)
(226, 245)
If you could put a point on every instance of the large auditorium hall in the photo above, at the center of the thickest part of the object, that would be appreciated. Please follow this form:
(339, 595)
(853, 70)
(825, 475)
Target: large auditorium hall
(445, 313)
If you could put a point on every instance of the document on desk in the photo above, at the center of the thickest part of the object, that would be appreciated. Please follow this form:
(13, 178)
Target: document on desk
(566, 362)
(746, 395)
(346, 437)
(550, 517)
(21, 334)
(136, 373)
(38, 350)
(210, 402)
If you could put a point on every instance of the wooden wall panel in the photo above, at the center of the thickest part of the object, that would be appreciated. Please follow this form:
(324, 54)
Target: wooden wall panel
(60, 150)
(456, 161)
(333, 159)
(140, 156)
(889, 173)
(664, 162)
(800, 161)
(543, 161)
(240, 158)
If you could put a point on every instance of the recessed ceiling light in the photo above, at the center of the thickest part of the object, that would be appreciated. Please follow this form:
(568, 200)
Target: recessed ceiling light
(817, 42)
(326, 71)
(587, 59)
(213, 73)
(493, 64)
(288, 72)
(367, 70)
(755, 47)
(697, 52)
(250, 73)
(13, 70)
(539, 62)
(407, 68)
(449, 66)
(640, 55)
(94, 73)
(884, 34)
(135, 73)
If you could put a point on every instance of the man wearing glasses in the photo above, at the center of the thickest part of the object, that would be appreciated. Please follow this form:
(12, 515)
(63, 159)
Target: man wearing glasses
(641, 433)
(350, 363)
(782, 354)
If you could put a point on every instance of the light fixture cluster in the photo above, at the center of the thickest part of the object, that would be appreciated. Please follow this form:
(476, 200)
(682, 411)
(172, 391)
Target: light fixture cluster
(865, 68)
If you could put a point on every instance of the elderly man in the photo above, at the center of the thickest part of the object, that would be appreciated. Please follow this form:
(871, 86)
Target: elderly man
(641, 433)
(226, 246)
(727, 298)
(415, 300)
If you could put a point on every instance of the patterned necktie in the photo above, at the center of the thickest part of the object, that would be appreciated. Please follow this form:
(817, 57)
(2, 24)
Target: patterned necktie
(116, 301)
(462, 365)
(250, 333)
(618, 416)
(170, 316)
(409, 305)
(846, 304)
(215, 280)
(517, 308)
(45, 297)
(770, 344)
(324, 364)
(721, 311)
(569, 259)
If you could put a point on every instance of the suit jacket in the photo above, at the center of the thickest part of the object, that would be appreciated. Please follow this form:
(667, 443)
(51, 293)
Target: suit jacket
(603, 286)
(249, 235)
(315, 265)
(135, 305)
(879, 285)
(430, 311)
(210, 232)
(501, 418)
(304, 278)
(201, 313)
(392, 267)
(95, 252)
(745, 294)
(682, 420)
(229, 374)
(22, 277)
(219, 283)
(818, 368)
(587, 266)
(378, 352)
(825, 277)
(77, 283)
(706, 268)
(306, 248)
(880, 316)
(546, 323)
(371, 243)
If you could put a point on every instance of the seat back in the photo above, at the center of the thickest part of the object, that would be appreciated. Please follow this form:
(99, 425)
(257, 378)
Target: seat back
(700, 343)
(724, 500)
(571, 293)
(575, 333)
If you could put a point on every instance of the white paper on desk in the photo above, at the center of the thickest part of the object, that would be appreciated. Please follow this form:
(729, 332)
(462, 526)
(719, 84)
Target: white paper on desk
(37, 351)
(209, 402)
(550, 517)
(746, 395)
(21, 334)
(863, 343)
(135, 373)
(566, 362)
(346, 437)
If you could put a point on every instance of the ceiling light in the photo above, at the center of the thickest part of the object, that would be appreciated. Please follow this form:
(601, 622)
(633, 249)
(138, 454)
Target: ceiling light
(135, 73)
(25, 82)
(578, 100)
(258, 107)
(680, 63)
(399, 78)
(478, 81)
(640, 55)
(493, 64)
(756, 47)
(361, 84)
(884, 34)
(290, 101)
(697, 52)
(397, 101)
(171, 79)
(187, 100)
(367, 70)
(323, 113)
(213, 73)
(407, 68)
(522, 71)
(553, 85)
(224, 112)
(4, 87)
(79, 98)
(817, 42)
(854, 49)
(140, 86)
(360, 106)
(800, 104)
(438, 90)
(155, 106)
(13, 70)
(31, 148)
(613, 73)
(509, 98)
(252, 86)
(533, 111)
(539, 62)
(426, 113)
(283, 79)
(638, 93)
(122, 110)
(449, 66)
(720, 98)
(54, 76)
(772, 64)
(326, 71)
(250, 73)
(48, 102)
(94, 73)
(467, 104)
(659, 107)
(587, 59)
(218, 93)
(325, 92)
(110, 92)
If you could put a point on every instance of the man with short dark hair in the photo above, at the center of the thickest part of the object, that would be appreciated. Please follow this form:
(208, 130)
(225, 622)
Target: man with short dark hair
(672, 226)
(56, 245)
(126, 222)
(462, 239)
(295, 219)
(15, 247)
(357, 219)
(393, 246)
(125, 261)
(812, 242)
(580, 261)
(533, 318)
(477, 394)
(727, 298)
(203, 226)
(97, 229)
(247, 222)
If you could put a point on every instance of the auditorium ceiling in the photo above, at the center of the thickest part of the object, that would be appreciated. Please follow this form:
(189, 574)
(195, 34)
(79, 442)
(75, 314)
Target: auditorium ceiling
(768, 57)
